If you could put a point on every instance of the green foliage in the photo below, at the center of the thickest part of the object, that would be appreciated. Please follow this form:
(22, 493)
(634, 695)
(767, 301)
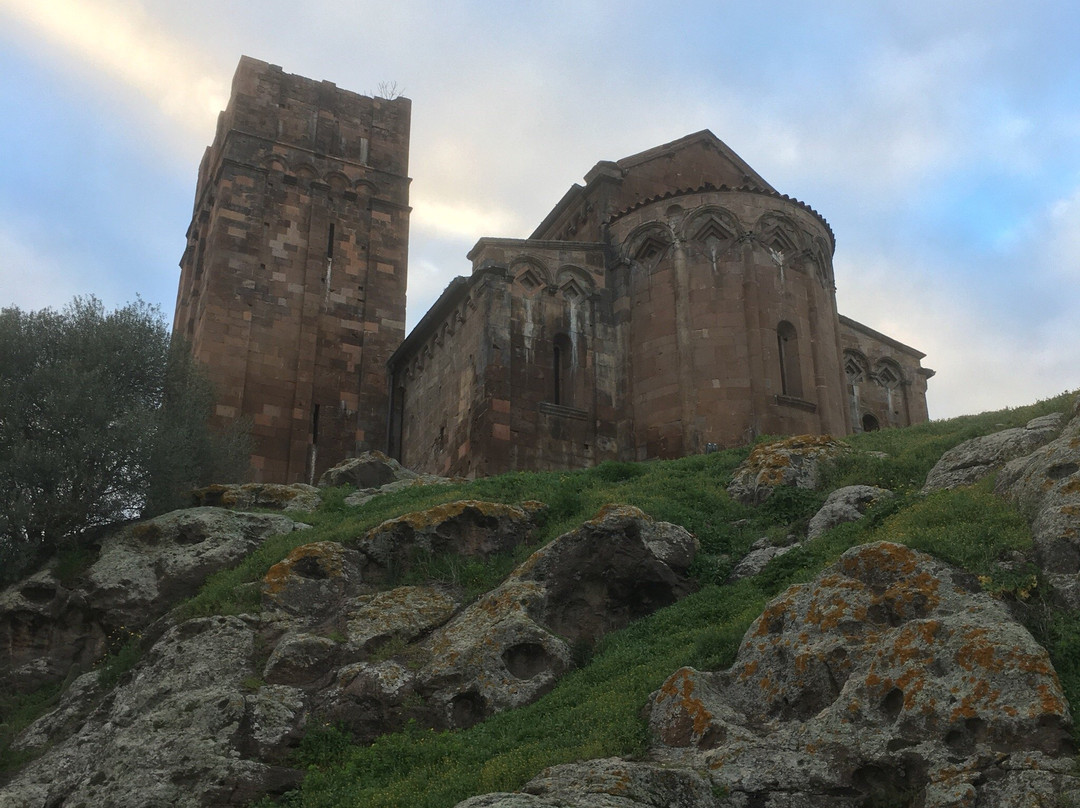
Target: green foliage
(116, 664)
(17, 712)
(968, 527)
(102, 417)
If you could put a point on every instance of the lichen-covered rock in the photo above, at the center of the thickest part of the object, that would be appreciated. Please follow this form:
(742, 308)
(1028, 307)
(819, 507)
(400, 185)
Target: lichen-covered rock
(512, 645)
(313, 579)
(150, 565)
(889, 674)
(493, 656)
(397, 615)
(757, 559)
(607, 783)
(467, 527)
(370, 699)
(1046, 486)
(141, 571)
(300, 659)
(847, 504)
(45, 629)
(974, 459)
(182, 729)
(268, 496)
(369, 470)
(365, 495)
(617, 567)
(792, 461)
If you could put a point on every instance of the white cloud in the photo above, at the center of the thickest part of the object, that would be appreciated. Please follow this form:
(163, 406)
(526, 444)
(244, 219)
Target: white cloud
(121, 41)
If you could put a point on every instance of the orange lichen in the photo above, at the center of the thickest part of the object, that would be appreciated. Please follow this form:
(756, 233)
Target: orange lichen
(680, 685)
(327, 555)
(420, 520)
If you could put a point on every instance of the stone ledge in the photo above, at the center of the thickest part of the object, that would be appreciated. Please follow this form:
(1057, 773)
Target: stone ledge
(798, 403)
(548, 408)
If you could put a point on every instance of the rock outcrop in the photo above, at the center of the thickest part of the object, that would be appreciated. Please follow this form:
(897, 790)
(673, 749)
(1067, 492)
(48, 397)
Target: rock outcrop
(889, 677)
(467, 528)
(1046, 486)
(847, 504)
(974, 459)
(258, 496)
(208, 716)
(607, 783)
(183, 730)
(793, 461)
(141, 570)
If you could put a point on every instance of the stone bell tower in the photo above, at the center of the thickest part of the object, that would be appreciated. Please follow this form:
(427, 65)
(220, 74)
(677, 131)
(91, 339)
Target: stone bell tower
(292, 286)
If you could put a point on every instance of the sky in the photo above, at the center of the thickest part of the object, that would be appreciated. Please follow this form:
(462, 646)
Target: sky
(941, 140)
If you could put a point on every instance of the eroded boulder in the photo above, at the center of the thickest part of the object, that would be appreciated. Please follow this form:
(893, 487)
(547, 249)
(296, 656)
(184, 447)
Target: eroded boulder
(46, 627)
(468, 528)
(512, 645)
(368, 470)
(182, 729)
(973, 459)
(1046, 486)
(607, 783)
(793, 461)
(847, 504)
(261, 496)
(889, 674)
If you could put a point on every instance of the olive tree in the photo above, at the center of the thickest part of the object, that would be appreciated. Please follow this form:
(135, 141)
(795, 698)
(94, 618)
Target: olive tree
(103, 417)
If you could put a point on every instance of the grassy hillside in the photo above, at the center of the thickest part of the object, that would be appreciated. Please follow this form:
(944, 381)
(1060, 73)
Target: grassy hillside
(596, 711)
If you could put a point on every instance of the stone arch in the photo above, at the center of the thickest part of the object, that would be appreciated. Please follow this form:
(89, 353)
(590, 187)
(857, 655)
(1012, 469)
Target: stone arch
(306, 172)
(275, 162)
(574, 282)
(530, 274)
(781, 233)
(888, 374)
(856, 366)
(337, 181)
(562, 370)
(820, 250)
(648, 243)
(368, 187)
(711, 221)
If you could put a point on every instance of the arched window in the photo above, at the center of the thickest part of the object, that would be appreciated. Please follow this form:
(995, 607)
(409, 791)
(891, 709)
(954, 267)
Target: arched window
(790, 371)
(870, 423)
(562, 370)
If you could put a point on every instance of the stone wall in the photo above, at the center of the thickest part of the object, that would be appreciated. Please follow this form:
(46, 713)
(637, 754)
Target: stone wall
(292, 287)
(886, 382)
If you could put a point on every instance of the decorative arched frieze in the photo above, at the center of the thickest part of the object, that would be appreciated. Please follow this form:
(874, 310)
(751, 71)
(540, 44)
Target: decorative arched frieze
(648, 243)
(711, 222)
(780, 234)
(888, 374)
(573, 282)
(530, 274)
(306, 172)
(338, 182)
(363, 186)
(275, 162)
(856, 366)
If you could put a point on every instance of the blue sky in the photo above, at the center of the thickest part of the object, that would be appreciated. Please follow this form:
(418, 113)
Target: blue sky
(940, 140)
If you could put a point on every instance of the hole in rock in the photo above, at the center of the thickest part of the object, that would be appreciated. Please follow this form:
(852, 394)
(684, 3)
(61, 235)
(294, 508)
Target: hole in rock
(466, 710)
(526, 660)
(309, 567)
(1062, 470)
(892, 703)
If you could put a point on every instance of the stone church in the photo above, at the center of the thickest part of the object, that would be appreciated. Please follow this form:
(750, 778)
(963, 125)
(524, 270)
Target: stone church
(672, 304)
